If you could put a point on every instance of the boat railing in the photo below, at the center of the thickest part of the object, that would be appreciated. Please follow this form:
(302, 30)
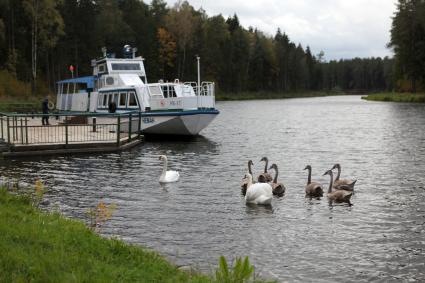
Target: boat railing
(205, 89)
(69, 129)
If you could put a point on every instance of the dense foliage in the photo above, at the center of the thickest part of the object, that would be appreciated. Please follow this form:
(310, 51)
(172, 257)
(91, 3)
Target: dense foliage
(408, 42)
(39, 39)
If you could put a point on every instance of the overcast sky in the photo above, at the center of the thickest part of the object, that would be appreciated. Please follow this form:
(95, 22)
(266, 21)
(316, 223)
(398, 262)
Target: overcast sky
(341, 28)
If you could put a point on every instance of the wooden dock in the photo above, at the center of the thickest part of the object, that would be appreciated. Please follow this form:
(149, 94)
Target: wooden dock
(24, 135)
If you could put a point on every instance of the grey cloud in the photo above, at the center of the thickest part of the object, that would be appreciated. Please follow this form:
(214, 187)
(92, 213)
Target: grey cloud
(342, 29)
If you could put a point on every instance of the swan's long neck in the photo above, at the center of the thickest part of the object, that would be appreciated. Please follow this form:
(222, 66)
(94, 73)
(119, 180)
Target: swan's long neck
(309, 176)
(331, 183)
(275, 176)
(249, 168)
(339, 173)
(164, 168)
(249, 181)
(265, 167)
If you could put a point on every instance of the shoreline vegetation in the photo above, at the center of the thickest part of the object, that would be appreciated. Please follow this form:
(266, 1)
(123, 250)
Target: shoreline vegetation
(396, 97)
(273, 95)
(32, 104)
(41, 246)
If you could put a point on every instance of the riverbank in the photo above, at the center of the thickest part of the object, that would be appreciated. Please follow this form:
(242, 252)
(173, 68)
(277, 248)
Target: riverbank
(396, 97)
(46, 247)
(271, 95)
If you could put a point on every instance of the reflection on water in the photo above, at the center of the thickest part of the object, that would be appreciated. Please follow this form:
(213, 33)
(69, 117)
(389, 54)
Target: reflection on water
(379, 238)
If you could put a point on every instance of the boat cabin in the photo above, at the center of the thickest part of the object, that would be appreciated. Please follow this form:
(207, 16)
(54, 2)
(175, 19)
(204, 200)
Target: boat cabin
(120, 85)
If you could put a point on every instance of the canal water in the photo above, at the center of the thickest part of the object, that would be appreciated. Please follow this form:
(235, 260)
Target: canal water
(381, 237)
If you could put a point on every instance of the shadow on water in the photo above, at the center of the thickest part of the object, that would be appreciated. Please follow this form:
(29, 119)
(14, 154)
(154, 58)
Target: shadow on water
(172, 138)
(257, 210)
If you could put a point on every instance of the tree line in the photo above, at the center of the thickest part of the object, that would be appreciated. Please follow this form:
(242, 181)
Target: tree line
(40, 39)
(408, 43)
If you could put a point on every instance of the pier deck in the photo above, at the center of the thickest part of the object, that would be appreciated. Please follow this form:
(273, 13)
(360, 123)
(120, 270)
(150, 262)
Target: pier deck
(24, 135)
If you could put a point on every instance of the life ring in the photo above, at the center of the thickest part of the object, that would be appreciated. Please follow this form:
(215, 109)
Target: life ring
(51, 105)
(176, 81)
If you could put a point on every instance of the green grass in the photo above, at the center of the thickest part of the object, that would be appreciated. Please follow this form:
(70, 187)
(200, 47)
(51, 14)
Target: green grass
(16, 96)
(37, 246)
(271, 95)
(397, 97)
(20, 107)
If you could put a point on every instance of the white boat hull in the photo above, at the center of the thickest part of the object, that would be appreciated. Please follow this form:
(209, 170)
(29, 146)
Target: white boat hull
(177, 123)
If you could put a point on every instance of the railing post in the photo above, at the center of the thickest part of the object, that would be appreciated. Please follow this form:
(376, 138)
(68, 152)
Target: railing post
(13, 129)
(66, 133)
(139, 128)
(118, 130)
(8, 130)
(16, 128)
(94, 124)
(22, 132)
(130, 116)
(26, 130)
(1, 121)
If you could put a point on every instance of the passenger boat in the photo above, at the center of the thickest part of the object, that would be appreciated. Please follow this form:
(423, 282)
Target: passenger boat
(120, 85)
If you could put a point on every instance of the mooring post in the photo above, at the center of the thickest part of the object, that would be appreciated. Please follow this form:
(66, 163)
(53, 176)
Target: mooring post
(130, 116)
(118, 130)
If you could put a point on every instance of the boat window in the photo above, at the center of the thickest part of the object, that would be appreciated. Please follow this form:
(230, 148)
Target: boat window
(100, 100)
(164, 91)
(101, 68)
(169, 89)
(115, 98)
(105, 100)
(67, 88)
(123, 99)
(125, 66)
(80, 87)
(155, 90)
(132, 102)
(111, 98)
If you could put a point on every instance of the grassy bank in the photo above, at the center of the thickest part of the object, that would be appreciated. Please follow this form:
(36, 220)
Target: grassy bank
(396, 97)
(16, 96)
(36, 246)
(271, 95)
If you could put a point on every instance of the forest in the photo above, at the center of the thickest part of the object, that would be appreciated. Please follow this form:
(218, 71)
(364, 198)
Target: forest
(40, 39)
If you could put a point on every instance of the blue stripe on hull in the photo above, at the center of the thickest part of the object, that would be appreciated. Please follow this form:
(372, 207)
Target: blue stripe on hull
(180, 113)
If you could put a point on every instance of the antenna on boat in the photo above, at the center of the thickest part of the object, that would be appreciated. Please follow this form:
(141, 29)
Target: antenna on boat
(199, 73)
(104, 50)
(134, 52)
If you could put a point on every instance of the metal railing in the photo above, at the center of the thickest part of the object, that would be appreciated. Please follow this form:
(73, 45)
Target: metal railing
(205, 89)
(69, 128)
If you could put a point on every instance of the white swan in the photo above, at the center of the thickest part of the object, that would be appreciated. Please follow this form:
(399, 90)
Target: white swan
(167, 176)
(259, 193)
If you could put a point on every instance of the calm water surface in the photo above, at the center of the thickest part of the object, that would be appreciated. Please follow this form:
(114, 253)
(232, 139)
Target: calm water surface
(380, 238)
